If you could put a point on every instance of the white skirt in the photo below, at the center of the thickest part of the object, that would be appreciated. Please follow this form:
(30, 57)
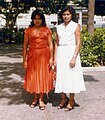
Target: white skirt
(68, 80)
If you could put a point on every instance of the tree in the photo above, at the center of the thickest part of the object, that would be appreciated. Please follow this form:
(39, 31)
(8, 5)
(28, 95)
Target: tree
(82, 3)
(91, 8)
(11, 9)
(14, 7)
(90, 4)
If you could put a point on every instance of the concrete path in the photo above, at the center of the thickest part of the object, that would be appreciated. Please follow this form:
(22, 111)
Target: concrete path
(14, 101)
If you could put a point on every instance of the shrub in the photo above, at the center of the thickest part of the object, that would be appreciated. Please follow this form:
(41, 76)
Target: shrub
(93, 48)
(99, 45)
(11, 36)
(86, 52)
(19, 36)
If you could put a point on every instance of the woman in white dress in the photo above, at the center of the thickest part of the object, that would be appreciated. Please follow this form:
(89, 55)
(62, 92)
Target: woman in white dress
(69, 76)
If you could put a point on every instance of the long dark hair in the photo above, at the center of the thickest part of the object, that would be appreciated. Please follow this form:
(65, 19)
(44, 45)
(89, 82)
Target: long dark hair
(71, 10)
(41, 14)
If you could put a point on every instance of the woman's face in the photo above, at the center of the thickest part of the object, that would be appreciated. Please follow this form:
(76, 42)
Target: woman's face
(67, 16)
(37, 21)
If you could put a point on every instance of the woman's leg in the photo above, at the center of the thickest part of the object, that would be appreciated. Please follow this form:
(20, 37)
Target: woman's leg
(41, 95)
(35, 96)
(70, 102)
(41, 103)
(35, 101)
(72, 95)
(63, 95)
(63, 101)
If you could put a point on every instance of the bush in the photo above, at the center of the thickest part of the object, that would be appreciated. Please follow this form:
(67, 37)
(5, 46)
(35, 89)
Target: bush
(11, 36)
(99, 45)
(86, 52)
(93, 48)
(6, 35)
(19, 36)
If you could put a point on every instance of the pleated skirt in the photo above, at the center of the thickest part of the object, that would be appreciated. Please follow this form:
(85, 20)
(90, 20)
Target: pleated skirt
(38, 77)
(68, 80)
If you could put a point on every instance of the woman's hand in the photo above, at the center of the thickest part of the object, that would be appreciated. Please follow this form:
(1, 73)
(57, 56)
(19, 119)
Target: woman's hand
(54, 73)
(51, 62)
(72, 62)
(25, 64)
(54, 64)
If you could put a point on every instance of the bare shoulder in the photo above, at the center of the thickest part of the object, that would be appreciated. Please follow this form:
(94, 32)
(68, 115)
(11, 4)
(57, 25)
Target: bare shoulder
(78, 28)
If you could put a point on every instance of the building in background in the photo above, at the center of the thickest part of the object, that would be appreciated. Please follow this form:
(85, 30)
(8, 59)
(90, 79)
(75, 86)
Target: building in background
(99, 21)
(23, 20)
(2, 21)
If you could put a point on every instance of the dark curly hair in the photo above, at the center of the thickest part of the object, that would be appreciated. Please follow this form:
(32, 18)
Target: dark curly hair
(71, 10)
(41, 14)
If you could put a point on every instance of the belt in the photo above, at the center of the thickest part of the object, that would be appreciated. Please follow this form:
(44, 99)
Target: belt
(65, 44)
(62, 45)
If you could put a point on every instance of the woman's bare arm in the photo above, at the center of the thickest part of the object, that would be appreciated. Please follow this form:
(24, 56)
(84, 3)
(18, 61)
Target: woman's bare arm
(25, 46)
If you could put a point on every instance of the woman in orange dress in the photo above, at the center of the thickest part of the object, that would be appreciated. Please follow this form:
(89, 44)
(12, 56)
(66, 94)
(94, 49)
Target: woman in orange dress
(38, 58)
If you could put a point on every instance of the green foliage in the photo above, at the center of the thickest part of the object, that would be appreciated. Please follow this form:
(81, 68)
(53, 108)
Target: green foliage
(6, 35)
(93, 48)
(19, 36)
(10, 36)
(53, 34)
(87, 56)
(83, 3)
(51, 6)
(12, 9)
(99, 45)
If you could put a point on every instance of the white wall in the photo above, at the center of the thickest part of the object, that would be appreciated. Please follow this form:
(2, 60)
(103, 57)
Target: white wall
(2, 21)
(23, 20)
(99, 21)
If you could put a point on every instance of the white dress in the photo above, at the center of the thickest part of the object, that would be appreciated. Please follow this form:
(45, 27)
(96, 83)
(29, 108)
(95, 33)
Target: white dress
(68, 80)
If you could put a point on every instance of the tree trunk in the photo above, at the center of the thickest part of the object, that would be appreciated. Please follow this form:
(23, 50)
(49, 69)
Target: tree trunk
(10, 21)
(91, 8)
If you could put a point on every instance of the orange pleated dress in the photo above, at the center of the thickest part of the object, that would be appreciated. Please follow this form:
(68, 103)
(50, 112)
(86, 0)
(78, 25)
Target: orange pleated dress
(38, 77)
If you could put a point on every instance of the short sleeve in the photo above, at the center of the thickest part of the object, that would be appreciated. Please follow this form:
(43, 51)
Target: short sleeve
(26, 31)
(49, 31)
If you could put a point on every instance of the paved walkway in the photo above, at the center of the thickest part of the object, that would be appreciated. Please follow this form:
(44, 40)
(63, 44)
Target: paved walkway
(14, 100)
